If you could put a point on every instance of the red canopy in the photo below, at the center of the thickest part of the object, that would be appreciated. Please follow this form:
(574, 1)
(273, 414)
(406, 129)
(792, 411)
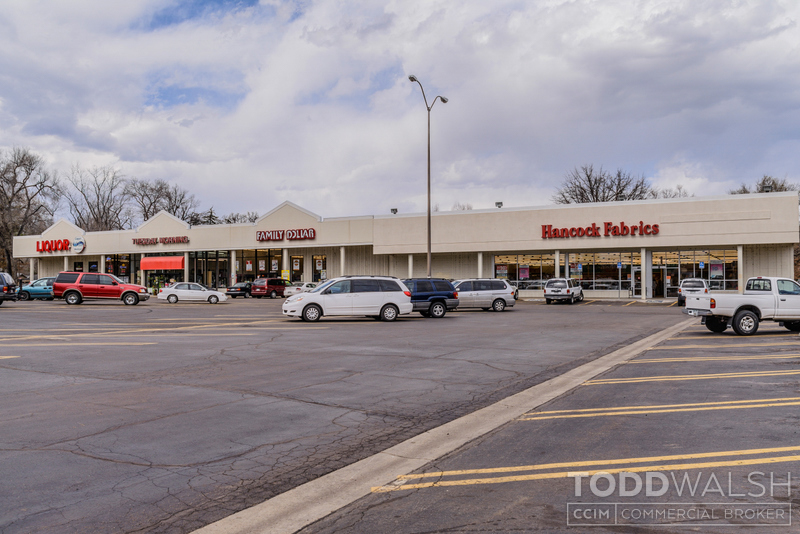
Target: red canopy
(167, 263)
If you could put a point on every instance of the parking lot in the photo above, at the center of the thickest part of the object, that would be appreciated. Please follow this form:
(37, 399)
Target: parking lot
(713, 412)
(163, 418)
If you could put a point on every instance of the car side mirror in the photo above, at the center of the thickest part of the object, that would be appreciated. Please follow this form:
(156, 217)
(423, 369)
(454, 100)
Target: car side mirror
(114, 284)
(326, 292)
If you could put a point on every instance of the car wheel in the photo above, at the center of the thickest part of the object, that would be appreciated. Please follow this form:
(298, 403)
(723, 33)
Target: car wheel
(73, 298)
(213, 299)
(24, 295)
(794, 326)
(580, 297)
(312, 313)
(172, 299)
(572, 299)
(716, 325)
(499, 305)
(389, 313)
(273, 295)
(548, 301)
(437, 310)
(745, 323)
(681, 302)
(131, 299)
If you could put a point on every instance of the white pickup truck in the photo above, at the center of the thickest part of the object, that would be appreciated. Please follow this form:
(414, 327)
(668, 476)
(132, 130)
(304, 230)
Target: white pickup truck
(764, 298)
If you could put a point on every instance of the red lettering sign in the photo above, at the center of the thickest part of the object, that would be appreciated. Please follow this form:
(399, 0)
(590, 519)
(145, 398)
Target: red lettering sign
(53, 245)
(163, 240)
(609, 229)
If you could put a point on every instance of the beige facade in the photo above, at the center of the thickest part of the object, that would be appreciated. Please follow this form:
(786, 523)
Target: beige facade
(654, 241)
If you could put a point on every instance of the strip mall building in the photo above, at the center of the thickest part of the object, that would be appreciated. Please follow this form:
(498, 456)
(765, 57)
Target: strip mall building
(619, 249)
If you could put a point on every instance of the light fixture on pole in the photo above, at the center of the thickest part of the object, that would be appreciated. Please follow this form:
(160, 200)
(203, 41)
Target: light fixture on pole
(444, 101)
(394, 211)
(498, 204)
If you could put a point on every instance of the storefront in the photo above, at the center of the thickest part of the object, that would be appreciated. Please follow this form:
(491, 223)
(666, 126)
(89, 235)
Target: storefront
(620, 249)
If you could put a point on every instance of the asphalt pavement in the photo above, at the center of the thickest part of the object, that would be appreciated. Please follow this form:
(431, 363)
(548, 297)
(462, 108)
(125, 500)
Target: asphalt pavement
(165, 418)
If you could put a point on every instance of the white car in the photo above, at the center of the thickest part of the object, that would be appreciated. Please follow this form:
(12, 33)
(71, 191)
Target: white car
(186, 291)
(563, 289)
(380, 297)
(298, 287)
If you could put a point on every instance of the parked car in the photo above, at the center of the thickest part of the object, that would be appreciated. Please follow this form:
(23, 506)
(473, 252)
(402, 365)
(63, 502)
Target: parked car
(432, 297)
(75, 287)
(189, 291)
(298, 287)
(38, 289)
(380, 297)
(269, 287)
(486, 294)
(241, 289)
(562, 289)
(765, 298)
(9, 288)
(691, 287)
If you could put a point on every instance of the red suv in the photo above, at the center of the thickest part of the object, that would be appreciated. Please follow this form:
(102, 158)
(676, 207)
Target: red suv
(75, 287)
(268, 287)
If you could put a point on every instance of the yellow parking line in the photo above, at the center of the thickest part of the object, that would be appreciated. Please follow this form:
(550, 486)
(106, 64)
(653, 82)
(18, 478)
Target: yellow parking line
(666, 410)
(565, 474)
(673, 304)
(7, 357)
(642, 407)
(718, 346)
(628, 304)
(617, 461)
(732, 336)
(688, 377)
(71, 344)
(716, 358)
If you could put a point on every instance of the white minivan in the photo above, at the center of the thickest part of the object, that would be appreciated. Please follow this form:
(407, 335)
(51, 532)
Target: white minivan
(380, 297)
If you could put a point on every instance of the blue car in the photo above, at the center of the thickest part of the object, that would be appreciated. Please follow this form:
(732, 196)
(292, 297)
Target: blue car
(38, 289)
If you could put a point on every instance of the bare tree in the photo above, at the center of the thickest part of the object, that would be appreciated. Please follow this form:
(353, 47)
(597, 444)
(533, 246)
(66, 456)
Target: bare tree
(203, 217)
(179, 202)
(147, 196)
(458, 206)
(28, 198)
(678, 192)
(97, 199)
(236, 218)
(766, 184)
(584, 184)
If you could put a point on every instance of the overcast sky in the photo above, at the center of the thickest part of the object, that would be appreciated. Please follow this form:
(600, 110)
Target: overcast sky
(249, 103)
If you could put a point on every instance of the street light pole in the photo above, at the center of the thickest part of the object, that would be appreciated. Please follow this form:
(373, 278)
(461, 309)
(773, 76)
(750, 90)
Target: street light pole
(444, 101)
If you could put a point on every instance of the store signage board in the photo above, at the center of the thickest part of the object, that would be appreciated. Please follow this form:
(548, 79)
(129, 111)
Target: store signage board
(77, 245)
(291, 235)
(609, 229)
(162, 240)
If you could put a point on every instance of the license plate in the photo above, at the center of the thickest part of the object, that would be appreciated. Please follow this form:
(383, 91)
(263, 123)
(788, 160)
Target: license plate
(692, 312)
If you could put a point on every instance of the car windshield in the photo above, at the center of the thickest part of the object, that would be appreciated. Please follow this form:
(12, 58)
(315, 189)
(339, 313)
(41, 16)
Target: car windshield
(321, 287)
(693, 284)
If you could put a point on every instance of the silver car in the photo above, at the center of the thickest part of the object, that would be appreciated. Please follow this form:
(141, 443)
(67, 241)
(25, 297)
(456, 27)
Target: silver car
(485, 293)
(691, 287)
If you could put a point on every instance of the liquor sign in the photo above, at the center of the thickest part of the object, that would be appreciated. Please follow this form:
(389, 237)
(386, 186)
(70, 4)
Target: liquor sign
(162, 240)
(291, 235)
(608, 229)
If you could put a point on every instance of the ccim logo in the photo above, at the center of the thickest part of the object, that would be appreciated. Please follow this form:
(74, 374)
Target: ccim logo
(78, 244)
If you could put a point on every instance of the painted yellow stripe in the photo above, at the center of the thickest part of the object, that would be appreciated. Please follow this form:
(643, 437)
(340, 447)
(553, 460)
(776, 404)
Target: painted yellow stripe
(718, 346)
(71, 344)
(733, 337)
(716, 358)
(565, 474)
(7, 357)
(628, 304)
(618, 461)
(688, 377)
(673, 304)
(657, 406)
(667, 410)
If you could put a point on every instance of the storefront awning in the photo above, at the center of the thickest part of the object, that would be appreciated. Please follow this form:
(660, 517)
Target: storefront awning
(166, 263)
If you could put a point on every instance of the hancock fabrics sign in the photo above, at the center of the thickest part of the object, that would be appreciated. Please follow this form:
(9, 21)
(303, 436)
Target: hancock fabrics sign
(162, 240)
(291, 235)
(608, 229)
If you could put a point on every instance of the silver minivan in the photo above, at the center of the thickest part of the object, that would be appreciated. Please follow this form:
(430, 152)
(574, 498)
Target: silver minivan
(487, 294)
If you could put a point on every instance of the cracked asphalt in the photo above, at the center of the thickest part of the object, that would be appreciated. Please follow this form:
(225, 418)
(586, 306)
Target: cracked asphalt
(164, 418)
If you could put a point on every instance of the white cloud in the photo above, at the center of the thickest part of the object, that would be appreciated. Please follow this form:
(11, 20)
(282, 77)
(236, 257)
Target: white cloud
(310, 102)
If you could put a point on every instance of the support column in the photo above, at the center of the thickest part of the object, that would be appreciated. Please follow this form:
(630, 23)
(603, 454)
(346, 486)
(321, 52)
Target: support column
(480, 264)
(411, 266)
(341, 261)
(740, 268)
(102, 268)
(646, 261)
(32, 263)
(185, 266)
(285, 262)
(233, 267)
(66, 263)
(558, 264)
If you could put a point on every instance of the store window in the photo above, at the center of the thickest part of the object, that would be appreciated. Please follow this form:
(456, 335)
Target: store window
(320, 268)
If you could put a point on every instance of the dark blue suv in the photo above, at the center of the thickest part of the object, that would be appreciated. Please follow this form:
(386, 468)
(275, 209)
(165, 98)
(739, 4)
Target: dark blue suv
(432, 297)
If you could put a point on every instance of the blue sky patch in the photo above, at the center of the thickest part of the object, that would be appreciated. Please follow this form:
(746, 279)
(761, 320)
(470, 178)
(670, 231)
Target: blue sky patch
(183, 10)
(176, 95)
